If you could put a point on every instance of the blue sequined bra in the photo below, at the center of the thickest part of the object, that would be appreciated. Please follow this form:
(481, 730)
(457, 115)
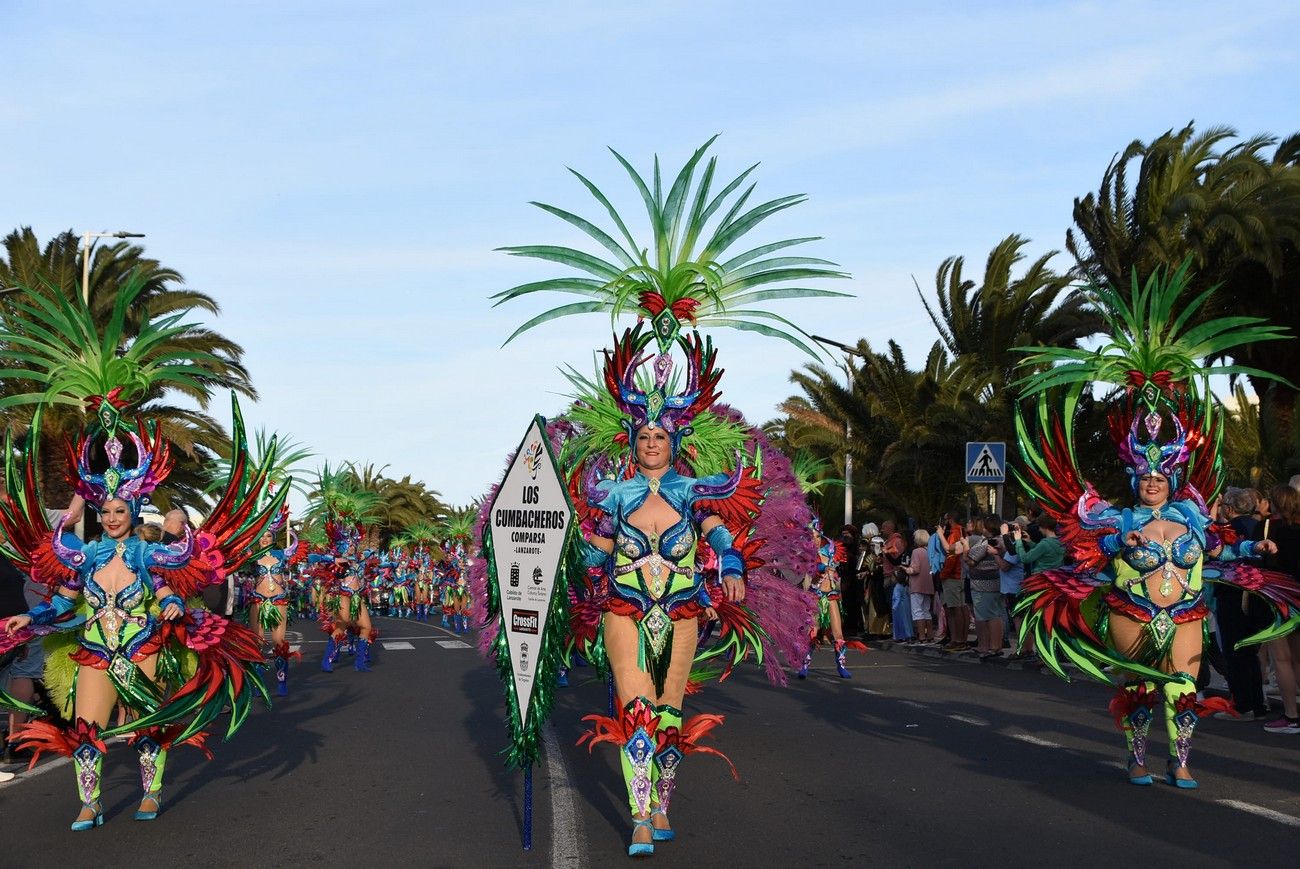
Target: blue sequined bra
(1183, 552)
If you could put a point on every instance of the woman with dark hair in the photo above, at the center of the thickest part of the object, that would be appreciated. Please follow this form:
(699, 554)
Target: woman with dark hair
(269, 608)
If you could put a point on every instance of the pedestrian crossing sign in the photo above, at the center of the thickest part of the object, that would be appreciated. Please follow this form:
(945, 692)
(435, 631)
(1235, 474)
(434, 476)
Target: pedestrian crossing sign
(986, 462)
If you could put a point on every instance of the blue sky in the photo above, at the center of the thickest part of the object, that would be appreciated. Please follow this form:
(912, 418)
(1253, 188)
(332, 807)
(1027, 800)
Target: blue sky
(338, 174)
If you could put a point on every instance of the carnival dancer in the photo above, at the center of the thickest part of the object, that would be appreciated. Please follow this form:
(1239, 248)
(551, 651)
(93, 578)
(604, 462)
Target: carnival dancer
(444, 576)
(459, 592)
(117, 623)
(402, 585)
(826, 586)
(379, 591)
(688, 513)
(269, 610)
(423, 584)
(344, 615)
(1134, 600)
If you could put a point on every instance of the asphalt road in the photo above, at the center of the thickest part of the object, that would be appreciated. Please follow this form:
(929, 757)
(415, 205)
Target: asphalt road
(916, 761)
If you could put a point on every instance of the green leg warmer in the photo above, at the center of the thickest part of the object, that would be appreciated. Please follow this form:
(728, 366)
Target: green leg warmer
(1133, 710)
(637, 754)
(88, 764)
(668, 757)
(1180, 716)
(153, 761)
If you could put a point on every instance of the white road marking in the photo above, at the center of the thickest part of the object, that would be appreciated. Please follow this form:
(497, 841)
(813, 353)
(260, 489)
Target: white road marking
(452, 644)
(1262, 812)
(966, 719)
(23, 776)
(568, 844)
(321, 642)
(1114, 764)
(1033, 740)
(913, 704)
(868, 691)
(390, 646)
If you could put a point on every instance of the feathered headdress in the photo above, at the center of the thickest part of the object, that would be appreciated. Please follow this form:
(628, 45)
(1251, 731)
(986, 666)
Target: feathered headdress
(658, 402)
(1156, 361)
(130, 483)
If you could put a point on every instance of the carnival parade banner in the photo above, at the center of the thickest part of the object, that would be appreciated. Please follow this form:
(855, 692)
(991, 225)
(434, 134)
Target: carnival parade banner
(525, 542)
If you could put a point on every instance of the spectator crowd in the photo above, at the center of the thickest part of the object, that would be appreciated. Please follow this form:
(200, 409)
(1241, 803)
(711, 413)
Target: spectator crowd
(955, 586)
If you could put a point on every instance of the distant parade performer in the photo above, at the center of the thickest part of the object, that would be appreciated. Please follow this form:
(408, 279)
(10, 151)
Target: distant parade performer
(1134, 599)
(121, 620)
(445, 575)
(271, 591)
(423, 584)
(344, 613)
(689, 517)
(825, 584)
(402, 583)
(457, 592)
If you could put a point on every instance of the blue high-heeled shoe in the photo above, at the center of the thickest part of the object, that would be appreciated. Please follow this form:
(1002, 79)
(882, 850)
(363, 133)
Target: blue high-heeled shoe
(156, 798)
(89, 824)
(1186, 784)
(1142, 780)
(661, 835)
(641, 849)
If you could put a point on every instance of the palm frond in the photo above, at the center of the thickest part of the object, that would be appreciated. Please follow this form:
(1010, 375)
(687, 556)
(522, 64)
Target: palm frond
(667, 277)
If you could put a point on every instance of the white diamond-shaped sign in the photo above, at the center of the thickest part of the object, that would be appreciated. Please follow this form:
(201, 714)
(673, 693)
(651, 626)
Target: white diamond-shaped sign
(530, 519)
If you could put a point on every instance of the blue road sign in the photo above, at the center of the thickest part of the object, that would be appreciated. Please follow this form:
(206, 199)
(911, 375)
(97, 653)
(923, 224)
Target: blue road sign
(986, 462)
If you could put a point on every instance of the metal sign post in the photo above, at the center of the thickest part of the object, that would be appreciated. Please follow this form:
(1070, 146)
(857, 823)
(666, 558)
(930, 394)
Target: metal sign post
(525, 542)
(986, 463)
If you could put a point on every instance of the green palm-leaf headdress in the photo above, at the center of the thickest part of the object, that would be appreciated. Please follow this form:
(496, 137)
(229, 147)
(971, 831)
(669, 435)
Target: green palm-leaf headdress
(61, 350)
(1159, 359)
(1152, 346)
(341, 505)
(458, 525)
(682, 274)
(812, 473)
(284, 470)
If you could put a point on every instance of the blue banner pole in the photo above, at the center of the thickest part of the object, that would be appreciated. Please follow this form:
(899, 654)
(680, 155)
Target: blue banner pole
(528, 807)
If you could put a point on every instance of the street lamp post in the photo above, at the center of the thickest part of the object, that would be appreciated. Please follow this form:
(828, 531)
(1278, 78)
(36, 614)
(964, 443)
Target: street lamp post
(848, 426)
(85, 256)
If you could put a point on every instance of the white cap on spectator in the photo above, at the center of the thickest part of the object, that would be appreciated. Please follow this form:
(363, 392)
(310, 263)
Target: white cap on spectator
(1294, 482)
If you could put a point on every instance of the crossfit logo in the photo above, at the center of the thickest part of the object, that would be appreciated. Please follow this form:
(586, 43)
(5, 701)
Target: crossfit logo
(524, 621)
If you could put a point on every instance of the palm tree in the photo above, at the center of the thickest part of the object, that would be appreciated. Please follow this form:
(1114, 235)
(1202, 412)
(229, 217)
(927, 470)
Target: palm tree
(1232, 210)
(1255, 452)
(48, 282)
(909, 428)
(979, 325)
(398, 504)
